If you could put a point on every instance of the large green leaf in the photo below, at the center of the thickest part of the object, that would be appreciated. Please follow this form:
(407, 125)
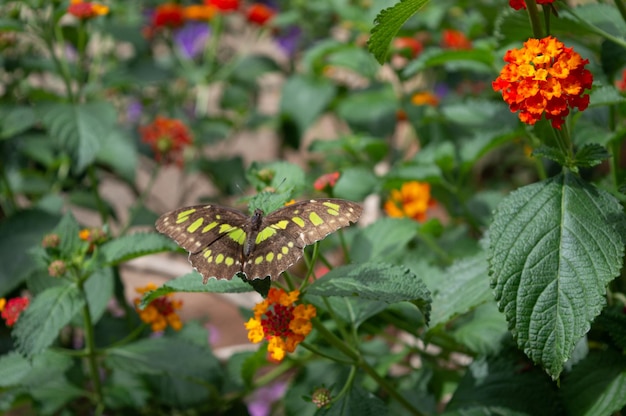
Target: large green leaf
(357, 401)
(15, 120)
(192, 282)
(554, 247)
(388, 23)
(383, 239)
(374, 281)
(120, 153)
(48, 313)
(18, 234)
(304, 98)
(80, 129)
(596, 385)
(135, 245)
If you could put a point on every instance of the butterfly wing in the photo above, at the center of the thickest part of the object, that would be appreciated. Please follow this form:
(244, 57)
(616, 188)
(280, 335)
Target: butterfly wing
(285, 233)
(213, 235)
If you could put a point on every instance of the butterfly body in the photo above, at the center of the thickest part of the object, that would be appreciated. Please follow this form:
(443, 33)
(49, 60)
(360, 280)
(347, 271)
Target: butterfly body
(222, 241)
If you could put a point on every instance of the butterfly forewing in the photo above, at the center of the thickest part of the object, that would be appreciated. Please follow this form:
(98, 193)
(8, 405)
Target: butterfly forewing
(215, 236)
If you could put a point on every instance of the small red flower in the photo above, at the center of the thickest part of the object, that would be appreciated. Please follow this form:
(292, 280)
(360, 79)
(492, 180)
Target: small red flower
(621, 85)
(454, 39)
(170, 15)
(12, 309)
(168, 139)
(407, 46)
(259, 13)
(521, 4)
(86, 9)
(223, 5)
(326, 181)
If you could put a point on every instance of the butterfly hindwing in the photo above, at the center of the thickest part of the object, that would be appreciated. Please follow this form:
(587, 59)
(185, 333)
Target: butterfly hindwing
(222, 241)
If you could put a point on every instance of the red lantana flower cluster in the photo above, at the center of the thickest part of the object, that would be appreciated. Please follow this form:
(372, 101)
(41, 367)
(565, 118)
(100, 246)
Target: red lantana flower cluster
(544, 78)
(12, 309)
(168, 139)
(454, 39)
(326, 182)
(521, 4)
(87, 9)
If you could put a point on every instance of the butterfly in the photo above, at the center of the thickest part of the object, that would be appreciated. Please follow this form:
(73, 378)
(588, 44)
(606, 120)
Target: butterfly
(222, 241)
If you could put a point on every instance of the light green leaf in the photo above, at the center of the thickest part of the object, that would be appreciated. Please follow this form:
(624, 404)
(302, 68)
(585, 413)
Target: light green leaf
(477, 60)
(16, 370)
(47, 314)
(304, 98)
(192, 282)
(463, 286)
(596, 385)
(374, 281)
(591, 154)
(555, 245)
(126, 390)
(120, 153)
(605, 96)
(482, 330)
(54, 394)
(99, 291)
(135, 245)
(382, 239)
(80, 129)
(355, 183)
(388, 23)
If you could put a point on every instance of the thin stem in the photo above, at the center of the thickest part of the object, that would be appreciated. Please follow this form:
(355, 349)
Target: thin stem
(90, 348)
(10, 196)
(319, 352)
(535, 21)
(91, 172)
(61, 64)
(346, 386)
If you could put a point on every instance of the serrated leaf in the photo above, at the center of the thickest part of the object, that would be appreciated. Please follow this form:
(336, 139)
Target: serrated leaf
(48, 313)
(374, 281)
(80, 129)
(357, 401)
(55, 394)
(605, 96)
(555, 245)
(99, 291)
(591, 154)
(551, 153)
(125, 390)
(192, 282)
(15, 120)
(388, 23)
(482, 330)
(596, 385)
(464, 285)
(135, 245)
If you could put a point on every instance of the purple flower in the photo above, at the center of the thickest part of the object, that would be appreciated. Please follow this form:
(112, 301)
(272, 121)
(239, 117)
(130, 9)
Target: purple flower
(260, 404)
(288, 40)
(133, 113)
(192, 38)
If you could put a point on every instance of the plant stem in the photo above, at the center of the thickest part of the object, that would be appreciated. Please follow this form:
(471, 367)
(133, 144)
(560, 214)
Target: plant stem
(10, 196)
(91, 172)
(535, 21)
(621, 6)
(90, 348)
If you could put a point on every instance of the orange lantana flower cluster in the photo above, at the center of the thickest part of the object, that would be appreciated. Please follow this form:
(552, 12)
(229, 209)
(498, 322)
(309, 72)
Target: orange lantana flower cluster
(279, 321)
(544, 77)
(412, 200)
(161, 312)
(87, 9)
(168, 138)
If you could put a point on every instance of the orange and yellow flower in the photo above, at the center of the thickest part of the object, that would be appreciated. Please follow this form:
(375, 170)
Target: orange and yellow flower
(12, 309)
(544, 78)
(168, 139)
(87, 9)
(199, 12)
(412, 201)
(161, 312)
(280, 322)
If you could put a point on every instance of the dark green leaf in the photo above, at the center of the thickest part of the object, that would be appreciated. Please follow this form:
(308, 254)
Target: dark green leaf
(15, 120)
(119, 152)
(477, 60)
(48, 313)
(135, 245)
(383, 239)
(304, 98)
(482, 330)
(374, 281)
(355, 184)
(192, 282)
(555, 245)
(605, 96)
(18, 234)
(591, 154)
(54, 394)
(551, 153)
(126, 389)
(357, 401)
(99, 291)
(18, 370)
(373, 111)
(388, 23)
(596, 385)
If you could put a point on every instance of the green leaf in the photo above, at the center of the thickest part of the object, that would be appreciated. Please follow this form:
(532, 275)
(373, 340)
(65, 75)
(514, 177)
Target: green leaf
(80, 129)
(18, 233)
(463, 286)
(591, 154)
(15, 120)
(13, 368)
(383, 239)
(120, 153)
(55, 394)
(372, 111)
(476, 59)
(99, 291)
(304, 98)
(135, 245)
(551, 153)
(507, 381)
(355, 183)
(351, 310)
(39, 325)
(388, 23)
(357, 401)
(482, 330)
(555, 245)
(125, 389)
(16, 370)
(605, 96)
(192, 282)
(596, 385)
(374, 281)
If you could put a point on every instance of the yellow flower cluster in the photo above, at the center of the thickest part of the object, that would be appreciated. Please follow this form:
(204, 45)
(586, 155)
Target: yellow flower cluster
(279, 321)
